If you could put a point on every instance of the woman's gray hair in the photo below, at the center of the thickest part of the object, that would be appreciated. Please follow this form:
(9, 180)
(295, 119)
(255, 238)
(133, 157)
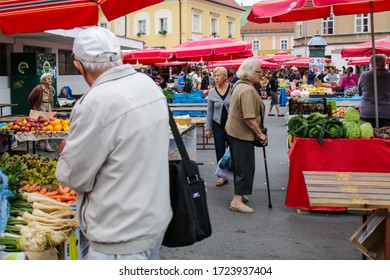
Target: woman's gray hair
(380, 60)
(221, 70)
(44, 76)
(248, 68)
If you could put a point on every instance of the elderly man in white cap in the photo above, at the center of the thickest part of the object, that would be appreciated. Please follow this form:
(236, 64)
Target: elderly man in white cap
(116, 154)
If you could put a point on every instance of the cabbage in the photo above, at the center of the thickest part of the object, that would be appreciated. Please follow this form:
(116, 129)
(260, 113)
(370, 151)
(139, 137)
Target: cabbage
(334, 128)
(296, 125)
(351, 129)
(314, 117)
(352, 115)
(366, 130)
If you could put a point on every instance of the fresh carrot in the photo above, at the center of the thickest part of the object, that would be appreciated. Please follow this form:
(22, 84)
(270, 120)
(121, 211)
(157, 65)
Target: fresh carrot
(60, 189)
(52, 193)
(72, 193)
(43, 191)
(34, 188)
(63, 198)
(66, 189)
(24, 188)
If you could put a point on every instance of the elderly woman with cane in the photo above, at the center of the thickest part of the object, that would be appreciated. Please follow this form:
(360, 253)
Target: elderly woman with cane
(246, 113)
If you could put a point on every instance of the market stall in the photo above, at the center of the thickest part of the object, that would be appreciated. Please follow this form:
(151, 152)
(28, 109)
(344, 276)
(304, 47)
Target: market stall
(342, 155)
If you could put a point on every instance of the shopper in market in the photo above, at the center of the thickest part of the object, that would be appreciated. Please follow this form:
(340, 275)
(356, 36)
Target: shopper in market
(332, 77)
(311, 75)
(217, 114)
(272, 90)
(112, 157)
(366, 90)
(204, 84)
(349, 82)
(243, 127)
(295, 76)
(41, 99)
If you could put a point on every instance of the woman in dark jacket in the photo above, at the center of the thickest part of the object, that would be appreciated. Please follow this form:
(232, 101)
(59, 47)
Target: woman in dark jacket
(272, 90)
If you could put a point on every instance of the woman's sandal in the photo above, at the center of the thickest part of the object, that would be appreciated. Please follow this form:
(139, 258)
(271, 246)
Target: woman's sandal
(271, 115)
(220, 182)
(280, 115)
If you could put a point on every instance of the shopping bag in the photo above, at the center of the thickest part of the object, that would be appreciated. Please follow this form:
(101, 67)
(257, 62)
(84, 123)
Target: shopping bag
(190, 222)
(225, 162)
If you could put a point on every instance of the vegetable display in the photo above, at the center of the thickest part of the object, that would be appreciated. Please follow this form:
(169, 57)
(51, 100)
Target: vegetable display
(41, 212)
(319, 126)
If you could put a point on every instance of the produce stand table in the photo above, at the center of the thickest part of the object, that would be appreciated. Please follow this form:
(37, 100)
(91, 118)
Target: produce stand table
(201, 122)
(359, 190)
(28, 136)
(333, 155)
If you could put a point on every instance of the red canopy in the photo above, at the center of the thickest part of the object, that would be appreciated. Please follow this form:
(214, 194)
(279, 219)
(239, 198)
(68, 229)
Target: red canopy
(299, 10)
(24, 16)
(235, 63)
(280, 57)
(302, 62)
(365, 49)
(144, 56)
(362, 60)
(208, 48)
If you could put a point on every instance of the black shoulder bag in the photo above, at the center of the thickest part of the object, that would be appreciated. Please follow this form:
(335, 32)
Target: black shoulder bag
(190, 222)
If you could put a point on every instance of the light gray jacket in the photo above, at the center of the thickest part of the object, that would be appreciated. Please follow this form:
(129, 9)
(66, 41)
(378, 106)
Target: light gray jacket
(214, 106)
(116, 159)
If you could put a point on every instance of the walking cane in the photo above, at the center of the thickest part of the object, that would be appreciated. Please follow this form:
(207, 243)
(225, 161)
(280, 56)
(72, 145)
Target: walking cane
(266, 176)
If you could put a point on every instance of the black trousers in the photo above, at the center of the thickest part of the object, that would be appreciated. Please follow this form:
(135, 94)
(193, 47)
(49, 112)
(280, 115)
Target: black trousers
(243, 160)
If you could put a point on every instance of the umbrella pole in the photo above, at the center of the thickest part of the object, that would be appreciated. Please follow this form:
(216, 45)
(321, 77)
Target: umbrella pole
(374, 64)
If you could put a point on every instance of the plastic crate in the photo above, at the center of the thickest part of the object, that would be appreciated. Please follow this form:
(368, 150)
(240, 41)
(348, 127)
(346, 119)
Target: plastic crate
(305, 107)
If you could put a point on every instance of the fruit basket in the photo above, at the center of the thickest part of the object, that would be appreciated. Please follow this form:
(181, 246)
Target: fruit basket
(299, 106)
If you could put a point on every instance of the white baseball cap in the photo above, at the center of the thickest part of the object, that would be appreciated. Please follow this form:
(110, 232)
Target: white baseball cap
(97, 44)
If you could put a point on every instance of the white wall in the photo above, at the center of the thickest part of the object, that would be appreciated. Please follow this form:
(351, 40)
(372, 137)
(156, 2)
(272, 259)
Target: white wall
(5, 94)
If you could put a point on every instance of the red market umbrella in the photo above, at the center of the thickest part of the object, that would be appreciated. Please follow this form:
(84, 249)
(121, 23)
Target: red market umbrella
(25, 16)
(302, 62)
(210, 48)
(299, 10)
(365, 49)
(280, 57)
(144, 56)
(236, 63)
(362, 61)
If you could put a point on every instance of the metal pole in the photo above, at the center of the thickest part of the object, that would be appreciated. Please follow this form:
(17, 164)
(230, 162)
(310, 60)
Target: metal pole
(374, 64)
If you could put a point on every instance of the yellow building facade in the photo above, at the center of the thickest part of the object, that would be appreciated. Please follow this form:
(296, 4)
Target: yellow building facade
(173, 22)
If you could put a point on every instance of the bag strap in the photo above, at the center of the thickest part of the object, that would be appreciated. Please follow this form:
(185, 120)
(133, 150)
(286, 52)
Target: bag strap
(192, 176)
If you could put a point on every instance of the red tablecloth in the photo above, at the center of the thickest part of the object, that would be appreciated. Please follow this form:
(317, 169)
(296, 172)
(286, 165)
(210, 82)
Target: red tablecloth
(338, 155)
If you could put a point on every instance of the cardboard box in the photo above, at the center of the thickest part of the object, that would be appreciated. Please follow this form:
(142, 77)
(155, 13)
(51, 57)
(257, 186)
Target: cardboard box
(75, 247)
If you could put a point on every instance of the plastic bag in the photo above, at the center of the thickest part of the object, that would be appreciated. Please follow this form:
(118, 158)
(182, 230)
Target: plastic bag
(5, 195)
(225, 162)
(227, 175)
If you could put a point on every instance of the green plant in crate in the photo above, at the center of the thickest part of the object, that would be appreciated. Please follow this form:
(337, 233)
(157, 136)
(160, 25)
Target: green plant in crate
(169, 93)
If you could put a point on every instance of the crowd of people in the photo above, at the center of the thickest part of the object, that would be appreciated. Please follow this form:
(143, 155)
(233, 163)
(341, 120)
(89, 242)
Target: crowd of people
(114, 207)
